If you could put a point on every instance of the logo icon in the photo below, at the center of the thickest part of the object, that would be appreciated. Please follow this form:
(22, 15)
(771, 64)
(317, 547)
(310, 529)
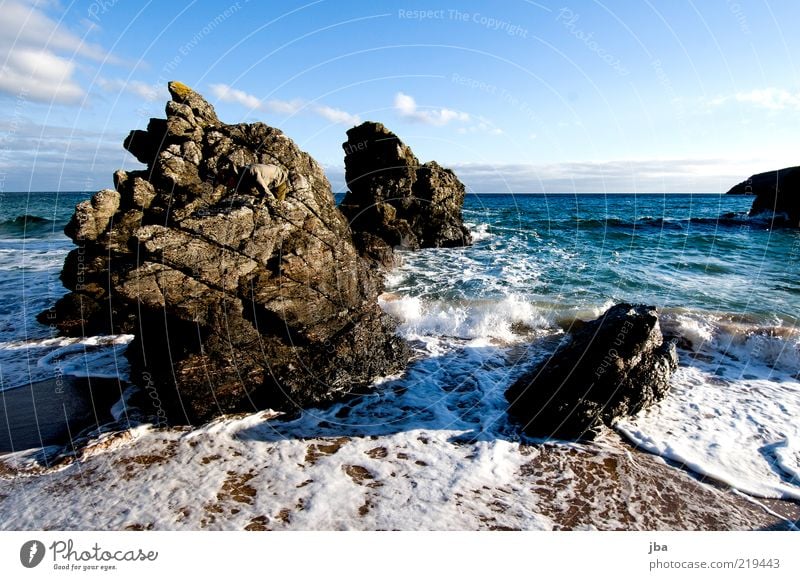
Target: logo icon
(31, 553)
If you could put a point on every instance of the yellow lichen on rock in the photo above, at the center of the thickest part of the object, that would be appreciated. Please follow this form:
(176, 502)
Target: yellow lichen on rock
(179, 89)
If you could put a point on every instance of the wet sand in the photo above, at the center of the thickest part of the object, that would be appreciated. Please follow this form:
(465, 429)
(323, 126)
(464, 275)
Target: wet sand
(53, 412)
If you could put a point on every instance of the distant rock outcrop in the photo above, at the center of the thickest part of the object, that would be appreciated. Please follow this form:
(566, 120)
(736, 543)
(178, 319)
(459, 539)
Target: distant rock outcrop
(238, 301)
(393, 201)
(611, 367)
(777, 194)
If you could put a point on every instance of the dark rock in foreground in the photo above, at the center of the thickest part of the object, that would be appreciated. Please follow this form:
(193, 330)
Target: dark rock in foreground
(393, 201)
(611, 367)
(238, 301)
(777, 194)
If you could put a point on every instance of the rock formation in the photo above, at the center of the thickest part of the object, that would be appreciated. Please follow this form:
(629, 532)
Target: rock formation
(611, 367)
(393, 201)
(777, 194)
(238, 301)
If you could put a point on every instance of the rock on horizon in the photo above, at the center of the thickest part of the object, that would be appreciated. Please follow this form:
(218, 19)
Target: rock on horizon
(777, 194)
(394, 201)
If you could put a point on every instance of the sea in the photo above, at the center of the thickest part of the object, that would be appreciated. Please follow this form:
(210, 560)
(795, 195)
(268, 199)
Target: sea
(725, 284)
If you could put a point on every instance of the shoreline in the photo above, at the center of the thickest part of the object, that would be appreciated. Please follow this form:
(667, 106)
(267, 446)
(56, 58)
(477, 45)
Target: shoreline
(557, 487)
(610, 485)
(54, 411)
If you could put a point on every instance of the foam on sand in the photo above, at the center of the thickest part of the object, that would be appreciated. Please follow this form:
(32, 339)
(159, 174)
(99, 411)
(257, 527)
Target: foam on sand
(732, 411)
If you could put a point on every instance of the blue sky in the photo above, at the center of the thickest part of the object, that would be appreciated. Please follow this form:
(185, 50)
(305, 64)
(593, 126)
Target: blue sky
(520, 96)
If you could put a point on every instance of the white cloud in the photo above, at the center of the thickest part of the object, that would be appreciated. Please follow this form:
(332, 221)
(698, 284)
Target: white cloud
(144, 90)
(775, 99)
(407, 108)
(39, 75)
(337, 115)
(615, 176)
(284, 107)
(140, 89)
(40, 55)
(771, 98)
(228, 94)
(50, 157)
(482, 126)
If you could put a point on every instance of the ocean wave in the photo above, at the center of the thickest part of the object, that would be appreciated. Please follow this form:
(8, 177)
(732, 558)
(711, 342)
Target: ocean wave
(787, 458)
(751, 343)
(479, 232)
(27, 226)
(507, 319)
(22, 362)
(726, 220)
(731, 412)
(729, 421)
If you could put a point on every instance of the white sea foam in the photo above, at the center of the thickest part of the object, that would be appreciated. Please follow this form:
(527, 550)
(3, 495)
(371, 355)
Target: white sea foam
(775, 346)
(506, 319)
(698, 330)
(733, 420)
(731, 414)
(787, 458)
(479, 232)
(428, 450)
(33, 256)
(23, 362)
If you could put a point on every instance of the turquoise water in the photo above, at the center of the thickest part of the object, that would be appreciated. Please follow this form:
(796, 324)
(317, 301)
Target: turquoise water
(725, 285)
(32, 251)
(667, 250)
(558, 255)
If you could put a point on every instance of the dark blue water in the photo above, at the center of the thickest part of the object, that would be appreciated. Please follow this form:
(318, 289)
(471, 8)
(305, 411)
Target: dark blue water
(725, 284)
(691, 251)
(569, 251)
(32, 251)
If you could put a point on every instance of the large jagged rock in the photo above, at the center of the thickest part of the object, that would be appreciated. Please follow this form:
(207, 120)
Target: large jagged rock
(393, 201)
(611, 367)
(237, 301)
(777, 195)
